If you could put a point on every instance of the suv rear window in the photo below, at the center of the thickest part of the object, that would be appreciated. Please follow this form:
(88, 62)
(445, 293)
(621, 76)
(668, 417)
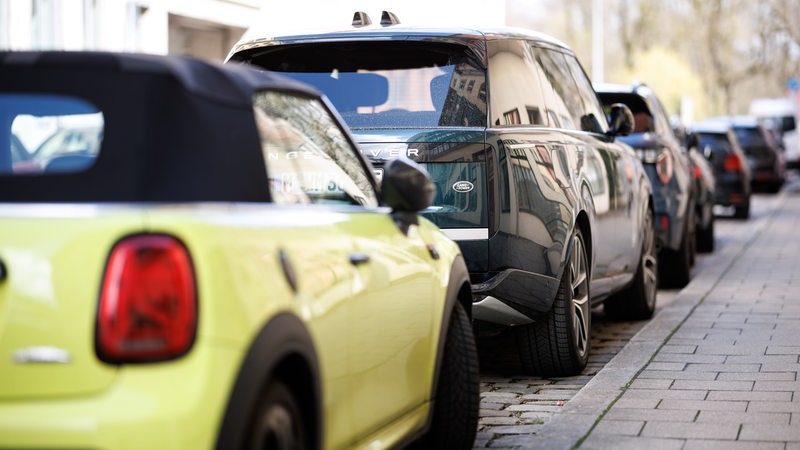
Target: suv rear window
(388, 84)
(717, 142)
(750, 137)
(46, 133)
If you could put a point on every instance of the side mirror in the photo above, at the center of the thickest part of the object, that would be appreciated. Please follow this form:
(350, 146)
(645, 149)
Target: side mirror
(620, 120)
(406, 187)
(708, 152)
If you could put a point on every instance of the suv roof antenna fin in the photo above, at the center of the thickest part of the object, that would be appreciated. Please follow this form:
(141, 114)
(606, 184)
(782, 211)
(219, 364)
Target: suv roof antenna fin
(360, 19)
(389, 18)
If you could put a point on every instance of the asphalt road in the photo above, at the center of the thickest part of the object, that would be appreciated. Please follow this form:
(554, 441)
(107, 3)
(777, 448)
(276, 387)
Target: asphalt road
(516, 404)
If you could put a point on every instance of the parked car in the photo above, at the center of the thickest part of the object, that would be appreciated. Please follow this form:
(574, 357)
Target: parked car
(780, 114)
(705, 188)
(553, 214)
(671, 173)
(717, 141)
(764, 157)
(224, 272)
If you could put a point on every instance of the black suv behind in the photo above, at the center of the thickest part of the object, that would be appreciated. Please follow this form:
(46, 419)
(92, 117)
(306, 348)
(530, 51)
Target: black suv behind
(552, 213)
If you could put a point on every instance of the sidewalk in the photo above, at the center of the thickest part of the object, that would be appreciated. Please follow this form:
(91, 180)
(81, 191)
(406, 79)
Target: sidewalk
(716, 369)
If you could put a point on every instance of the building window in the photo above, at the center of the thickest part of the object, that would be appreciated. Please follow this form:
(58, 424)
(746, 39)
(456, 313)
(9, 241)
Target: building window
(512, 117)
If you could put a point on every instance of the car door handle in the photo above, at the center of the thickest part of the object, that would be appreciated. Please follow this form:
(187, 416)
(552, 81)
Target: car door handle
(358, 258)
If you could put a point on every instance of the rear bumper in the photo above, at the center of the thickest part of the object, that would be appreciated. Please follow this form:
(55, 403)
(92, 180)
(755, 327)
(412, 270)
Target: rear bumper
(513, 297)
(731, 193)
(170, 405)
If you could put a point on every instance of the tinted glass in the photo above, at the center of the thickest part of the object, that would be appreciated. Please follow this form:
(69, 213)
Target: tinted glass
(460, 201)
(516, 92)
(567, 104)
(716, 146)
(591, 116)
(459, 173)
(389, 84)
(750, 137)
(642, 117)
(48, 134)
(717, 142)
(308, 157)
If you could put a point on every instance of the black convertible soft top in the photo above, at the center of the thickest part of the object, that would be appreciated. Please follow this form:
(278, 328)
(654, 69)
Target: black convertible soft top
(175, 128)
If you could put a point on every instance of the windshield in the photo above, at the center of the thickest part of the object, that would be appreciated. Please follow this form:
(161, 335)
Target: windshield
(389, 84)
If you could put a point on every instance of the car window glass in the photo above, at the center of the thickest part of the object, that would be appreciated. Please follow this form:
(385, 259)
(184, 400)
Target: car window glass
(389, 84)
(45, 134)
(516, 92)
(567, 102)
(749, 137)
(309, 159)
(716, 145)
(591, 114)
(661, 117)
(557, 96)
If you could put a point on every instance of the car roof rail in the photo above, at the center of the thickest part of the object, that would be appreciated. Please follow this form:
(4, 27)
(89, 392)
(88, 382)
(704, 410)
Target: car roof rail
(361, 19)
(389, 18)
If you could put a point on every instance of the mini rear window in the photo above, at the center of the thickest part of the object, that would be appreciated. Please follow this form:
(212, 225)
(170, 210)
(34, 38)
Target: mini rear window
(42, 134)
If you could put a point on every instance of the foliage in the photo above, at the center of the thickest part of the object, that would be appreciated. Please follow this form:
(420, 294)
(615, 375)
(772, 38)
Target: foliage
(670, 76)
(739, 49)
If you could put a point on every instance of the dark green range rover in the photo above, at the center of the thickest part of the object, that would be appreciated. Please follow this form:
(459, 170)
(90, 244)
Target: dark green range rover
(552, 214)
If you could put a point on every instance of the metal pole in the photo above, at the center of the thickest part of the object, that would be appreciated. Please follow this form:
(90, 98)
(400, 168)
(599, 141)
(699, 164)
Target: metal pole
(597, 41)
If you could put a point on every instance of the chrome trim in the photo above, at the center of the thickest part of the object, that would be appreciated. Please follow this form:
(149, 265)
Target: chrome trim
(41, 354)
(466, 234)
(492, 310)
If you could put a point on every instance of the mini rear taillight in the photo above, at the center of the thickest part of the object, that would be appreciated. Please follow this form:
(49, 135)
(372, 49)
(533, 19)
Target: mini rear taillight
(732, 163)
(148, 301)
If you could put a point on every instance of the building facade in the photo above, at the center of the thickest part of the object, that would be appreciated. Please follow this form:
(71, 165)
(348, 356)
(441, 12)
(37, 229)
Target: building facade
(203, 28)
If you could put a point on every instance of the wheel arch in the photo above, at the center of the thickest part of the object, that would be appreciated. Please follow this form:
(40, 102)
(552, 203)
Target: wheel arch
(284, 350)
(583, 223)
(459, 291)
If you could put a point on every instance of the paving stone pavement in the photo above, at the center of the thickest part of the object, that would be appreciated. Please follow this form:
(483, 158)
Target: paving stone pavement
(715, 369)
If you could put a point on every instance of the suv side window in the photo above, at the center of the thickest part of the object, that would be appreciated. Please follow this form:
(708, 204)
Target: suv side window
(568, 103)
(592, 117)
(309, 159)
(516, 90)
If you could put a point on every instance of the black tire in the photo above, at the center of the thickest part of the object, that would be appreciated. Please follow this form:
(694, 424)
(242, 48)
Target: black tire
(558, 344)
(675, 266)
(705, 238)
(279, 423)
(457, 396)
(742, 212)
(638, 301)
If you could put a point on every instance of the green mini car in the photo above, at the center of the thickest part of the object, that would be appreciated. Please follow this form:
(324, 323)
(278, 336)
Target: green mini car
(213, 264)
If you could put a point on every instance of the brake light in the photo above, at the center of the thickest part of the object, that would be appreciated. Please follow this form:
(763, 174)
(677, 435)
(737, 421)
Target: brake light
(664, 166)
(148, 301)
(732, 163)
